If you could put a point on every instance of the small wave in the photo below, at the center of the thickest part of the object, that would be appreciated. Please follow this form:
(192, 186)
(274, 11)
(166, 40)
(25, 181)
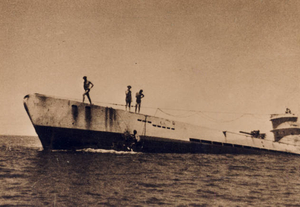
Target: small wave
(104, 151)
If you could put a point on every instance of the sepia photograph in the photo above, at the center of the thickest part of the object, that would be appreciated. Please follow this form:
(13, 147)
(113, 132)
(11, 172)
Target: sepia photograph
(150, 103)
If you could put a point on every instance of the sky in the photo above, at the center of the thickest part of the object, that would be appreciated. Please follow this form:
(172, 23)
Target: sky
(223, 64)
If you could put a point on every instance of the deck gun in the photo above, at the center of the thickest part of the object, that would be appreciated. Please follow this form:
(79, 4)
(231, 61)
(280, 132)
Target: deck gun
(255, 134)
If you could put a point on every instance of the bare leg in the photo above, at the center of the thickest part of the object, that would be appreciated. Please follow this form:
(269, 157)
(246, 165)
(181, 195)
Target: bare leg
(88, 95)
(139, 107)
(85, 94)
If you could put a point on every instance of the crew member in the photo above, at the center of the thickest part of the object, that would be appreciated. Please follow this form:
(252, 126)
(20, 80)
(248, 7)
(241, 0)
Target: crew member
(139, 95)
(288, 111)
(87, 85)
(128, 97)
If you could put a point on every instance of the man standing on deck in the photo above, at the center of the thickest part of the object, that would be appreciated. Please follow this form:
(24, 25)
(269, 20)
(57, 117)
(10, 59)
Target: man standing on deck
(128, 98)
(139, 96)
(87, 85)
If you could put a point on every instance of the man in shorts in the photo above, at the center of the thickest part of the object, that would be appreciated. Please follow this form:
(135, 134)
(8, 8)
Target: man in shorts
(87, 86)
(139, 95)
(128, 98)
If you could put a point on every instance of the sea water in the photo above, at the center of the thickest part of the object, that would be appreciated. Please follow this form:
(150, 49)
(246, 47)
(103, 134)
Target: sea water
(32, 177)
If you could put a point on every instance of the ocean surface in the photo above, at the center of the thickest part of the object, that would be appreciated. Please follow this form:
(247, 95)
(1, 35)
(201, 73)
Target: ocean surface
(32, 177)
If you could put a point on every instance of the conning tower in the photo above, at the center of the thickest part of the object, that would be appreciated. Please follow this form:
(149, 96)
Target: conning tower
(284, 125)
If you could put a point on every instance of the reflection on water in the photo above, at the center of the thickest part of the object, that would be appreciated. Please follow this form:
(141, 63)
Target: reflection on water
(31, 177)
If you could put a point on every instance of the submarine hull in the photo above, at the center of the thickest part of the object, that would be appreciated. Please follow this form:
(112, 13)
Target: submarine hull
(63, 124)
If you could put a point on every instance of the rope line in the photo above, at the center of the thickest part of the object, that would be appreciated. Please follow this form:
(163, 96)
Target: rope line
(179, 116)
(222, 121)
(200, 113)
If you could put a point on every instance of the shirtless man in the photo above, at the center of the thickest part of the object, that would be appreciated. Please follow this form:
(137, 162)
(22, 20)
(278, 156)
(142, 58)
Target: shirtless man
(128, 98)
(139, 95)
(87, 85)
